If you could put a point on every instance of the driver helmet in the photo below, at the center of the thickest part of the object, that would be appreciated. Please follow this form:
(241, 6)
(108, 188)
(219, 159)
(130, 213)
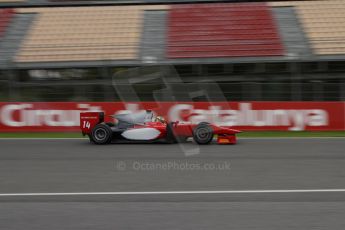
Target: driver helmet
(160, 119)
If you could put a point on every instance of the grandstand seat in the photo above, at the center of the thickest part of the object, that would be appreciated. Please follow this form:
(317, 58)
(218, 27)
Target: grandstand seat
(83, 34)
(323, 23)
(222, 30)
(5, 17)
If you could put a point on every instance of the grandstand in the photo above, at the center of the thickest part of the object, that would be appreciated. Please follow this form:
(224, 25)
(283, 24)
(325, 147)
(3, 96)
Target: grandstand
(67, 34)
(281, 50)
(230, 31)
(113, 33)
(323, 23)
(221, 30)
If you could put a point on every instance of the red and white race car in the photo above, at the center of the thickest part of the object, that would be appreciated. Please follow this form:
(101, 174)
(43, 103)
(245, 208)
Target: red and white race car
(146, 127)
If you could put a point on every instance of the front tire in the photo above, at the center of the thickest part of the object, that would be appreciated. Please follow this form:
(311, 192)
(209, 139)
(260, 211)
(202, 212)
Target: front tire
(101, 134)
(203, 133)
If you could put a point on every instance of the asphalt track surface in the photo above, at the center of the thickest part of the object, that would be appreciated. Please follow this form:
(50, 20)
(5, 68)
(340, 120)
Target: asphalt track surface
(256, 184)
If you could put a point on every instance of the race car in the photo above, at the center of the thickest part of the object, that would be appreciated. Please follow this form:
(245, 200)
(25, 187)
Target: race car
(146, 127)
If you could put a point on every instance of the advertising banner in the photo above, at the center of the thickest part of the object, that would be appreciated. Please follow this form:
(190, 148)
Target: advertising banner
(289, 116)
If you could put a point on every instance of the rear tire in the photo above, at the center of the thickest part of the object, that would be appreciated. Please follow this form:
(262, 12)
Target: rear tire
(203, 133)
(101, 134)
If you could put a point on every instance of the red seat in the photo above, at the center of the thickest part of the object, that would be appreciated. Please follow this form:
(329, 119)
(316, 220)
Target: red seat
(221, 30)
(5, 18)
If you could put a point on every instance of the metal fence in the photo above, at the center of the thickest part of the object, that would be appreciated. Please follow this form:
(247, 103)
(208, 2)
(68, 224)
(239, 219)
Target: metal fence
(216, 83)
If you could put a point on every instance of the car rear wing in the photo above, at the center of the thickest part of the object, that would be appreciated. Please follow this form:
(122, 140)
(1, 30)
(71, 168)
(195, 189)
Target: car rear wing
(88, 120)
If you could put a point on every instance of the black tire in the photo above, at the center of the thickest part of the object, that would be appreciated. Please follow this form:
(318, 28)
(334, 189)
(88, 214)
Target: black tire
(101, 134)
(170, 138)
(203, 133)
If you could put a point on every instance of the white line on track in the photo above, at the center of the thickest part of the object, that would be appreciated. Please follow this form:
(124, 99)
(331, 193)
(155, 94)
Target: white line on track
(173, 192)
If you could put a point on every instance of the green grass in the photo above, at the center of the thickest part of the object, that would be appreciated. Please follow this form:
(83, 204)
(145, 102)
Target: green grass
(244, 134)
